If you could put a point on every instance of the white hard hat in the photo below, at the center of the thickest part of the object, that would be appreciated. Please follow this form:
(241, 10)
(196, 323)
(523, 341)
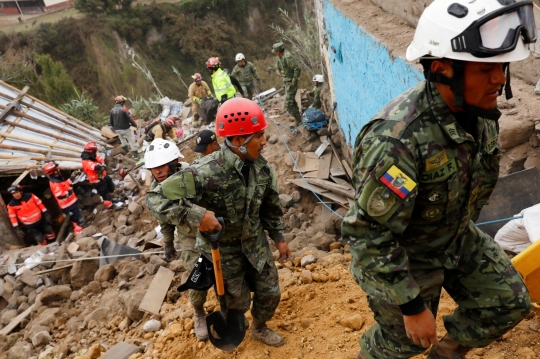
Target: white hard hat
(240, 57)
(482, 31)
(161, 152)
(318, 78)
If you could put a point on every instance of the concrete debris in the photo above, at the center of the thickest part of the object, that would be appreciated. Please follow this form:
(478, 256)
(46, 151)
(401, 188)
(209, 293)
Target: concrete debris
(41, 338)
(152, 326)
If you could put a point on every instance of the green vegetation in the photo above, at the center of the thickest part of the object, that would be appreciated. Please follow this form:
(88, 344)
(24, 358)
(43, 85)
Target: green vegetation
(82, 108)
(54, 82)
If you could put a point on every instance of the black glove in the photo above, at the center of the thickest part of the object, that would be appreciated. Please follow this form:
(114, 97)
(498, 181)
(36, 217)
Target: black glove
(223, 99)
(170, 252)
(47, 217)
(100, 170)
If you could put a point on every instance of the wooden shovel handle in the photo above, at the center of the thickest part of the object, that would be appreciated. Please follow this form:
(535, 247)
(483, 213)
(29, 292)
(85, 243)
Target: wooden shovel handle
(216, 259)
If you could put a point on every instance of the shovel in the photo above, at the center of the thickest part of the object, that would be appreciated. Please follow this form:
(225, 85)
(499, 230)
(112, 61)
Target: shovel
(226, 328)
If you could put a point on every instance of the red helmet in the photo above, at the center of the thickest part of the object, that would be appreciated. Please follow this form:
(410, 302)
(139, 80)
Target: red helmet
(213, 63)
(50, 167)
(90, 147)
(197, 77)
(119, 98)
(169, 122)
(239, 116)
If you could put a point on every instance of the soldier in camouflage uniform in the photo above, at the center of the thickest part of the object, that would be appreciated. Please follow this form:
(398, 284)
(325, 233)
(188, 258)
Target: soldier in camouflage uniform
(238, 184)
(423, 169)
(288, 69)
(245, 72)
(316, 92)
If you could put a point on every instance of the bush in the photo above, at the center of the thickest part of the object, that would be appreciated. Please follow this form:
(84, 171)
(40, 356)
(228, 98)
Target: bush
(54, 84)
(81, 107)
(145, 108)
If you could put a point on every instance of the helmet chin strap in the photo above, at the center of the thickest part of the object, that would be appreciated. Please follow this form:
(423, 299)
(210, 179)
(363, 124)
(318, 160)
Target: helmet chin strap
(242, 149)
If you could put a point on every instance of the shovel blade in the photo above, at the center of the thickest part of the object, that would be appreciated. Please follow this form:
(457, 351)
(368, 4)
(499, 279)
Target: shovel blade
(226, 332)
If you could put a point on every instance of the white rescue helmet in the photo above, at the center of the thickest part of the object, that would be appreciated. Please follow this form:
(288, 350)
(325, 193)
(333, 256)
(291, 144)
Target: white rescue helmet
(318, 78)
(160, 152)
(482, 31)
(239, 57)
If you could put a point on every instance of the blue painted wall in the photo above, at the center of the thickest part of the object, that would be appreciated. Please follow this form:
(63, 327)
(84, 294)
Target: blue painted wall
(365, 76)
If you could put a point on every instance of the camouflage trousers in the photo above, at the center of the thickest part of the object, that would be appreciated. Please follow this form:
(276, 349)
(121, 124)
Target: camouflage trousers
(248, 90)
(189, 258)
(290, 103)
(490, 294)
(241, 278)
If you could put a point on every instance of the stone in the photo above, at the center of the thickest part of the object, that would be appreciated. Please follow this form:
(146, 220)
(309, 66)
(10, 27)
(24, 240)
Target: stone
(20, 350)
(47, 317)
(102, 219)
(75, 296)
(49, 353)
(100, 315)
(286, 200)
(86, 244)
(335, 245)
(273, 139)
(124, 324)
(123, 285)
(512, 112)
(105, 273)
(92, 288)
(107, 230)
(29, 278)
(306, 278)
(33, 330)
(129, 230)
(514, 130)
(8, 316)
(41, 339)
(355, 322)
(55, 294)
(135, 208)
(127, 269)
(83, 271)
(131, 301)
(96, 350)
(88, 232)
(177, 266)
(23, 307)
(152, 325)
(296, 196)
(322, 241)
(154, 263)
(121, 221)
(309, 259)
(332, 260)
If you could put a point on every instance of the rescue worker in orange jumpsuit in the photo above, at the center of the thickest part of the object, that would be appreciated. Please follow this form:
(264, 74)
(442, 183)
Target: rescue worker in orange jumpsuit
(27, 209)
(62, 190)
(94, 168)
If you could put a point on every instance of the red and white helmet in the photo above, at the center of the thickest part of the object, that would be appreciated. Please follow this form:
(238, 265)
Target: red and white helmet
(213, 63)
(197, 77)
(90, 147)
(169, 122)
(50, 168)
(119, 98)
(238, 117)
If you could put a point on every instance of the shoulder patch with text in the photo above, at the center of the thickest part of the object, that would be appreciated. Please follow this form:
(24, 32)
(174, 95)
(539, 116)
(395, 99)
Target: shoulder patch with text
(436, 161)
(398, 182)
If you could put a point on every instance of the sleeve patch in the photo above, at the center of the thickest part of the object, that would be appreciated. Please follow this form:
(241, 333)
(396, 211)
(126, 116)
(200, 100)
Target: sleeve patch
(380, 202)
(398, 182)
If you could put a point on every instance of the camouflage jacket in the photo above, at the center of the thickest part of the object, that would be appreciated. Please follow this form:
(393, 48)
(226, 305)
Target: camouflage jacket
(316, 94)
(420, 183)
(288, 67)
(246, 74)
(216, 183)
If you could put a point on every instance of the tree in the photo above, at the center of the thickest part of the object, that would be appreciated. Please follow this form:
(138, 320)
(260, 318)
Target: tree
(101, 7)
(54, 84)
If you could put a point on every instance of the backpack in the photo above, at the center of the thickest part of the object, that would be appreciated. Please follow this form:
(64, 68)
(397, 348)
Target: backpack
(208, 109)
(314, 119)
(148, 129)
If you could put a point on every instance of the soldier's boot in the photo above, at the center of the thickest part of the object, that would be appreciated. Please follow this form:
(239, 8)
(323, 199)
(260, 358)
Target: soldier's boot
(448, 348)
(126, 149)
(199, 317)
(259, 331)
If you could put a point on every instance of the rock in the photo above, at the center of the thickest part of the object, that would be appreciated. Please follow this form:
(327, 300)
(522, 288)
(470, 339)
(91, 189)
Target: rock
(512, 112)
(131, 301)
(355, 322)
(151, 235)
(322, 241)
(88, 232)
(132, 241)
(8, 316)
(273, 139)
(102, 219)
(20, 350)
(152, 326)
(121, 221)
(129, 230)
(83, 272)
(29, 278)
(127, 269)
(41, 338)
(153, 265)
(307, 278)
(285, 274)
(47, 317)
(514, 131)
(309, 259)
(92, 288)
(49, 353)
(55, 294)
(123, 285)
(335, 245)
(124, 324)
(75, 296)
(101, 314)
(332, 260)
(135, 208)
(86, 244)
(286, 200)
(105, 273)
(323, 131)
(32, 331)
(23, 307)
(107, 230)
(96, 350)
(296, 196)
(177, 266)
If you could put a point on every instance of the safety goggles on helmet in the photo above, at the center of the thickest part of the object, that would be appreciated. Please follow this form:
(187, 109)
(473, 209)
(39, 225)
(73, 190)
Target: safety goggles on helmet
(499, 31)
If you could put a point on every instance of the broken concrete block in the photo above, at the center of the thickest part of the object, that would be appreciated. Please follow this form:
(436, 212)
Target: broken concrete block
(135, 208)
(105, 273)
(286, 200)
(28, 277)
(55, 294)
(41, 338)
(83, 272)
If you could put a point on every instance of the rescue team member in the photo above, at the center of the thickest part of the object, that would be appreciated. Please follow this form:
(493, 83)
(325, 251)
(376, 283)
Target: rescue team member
(288, 69)
(27, 209)
(221, 81)
(161, 157)
(206, 144)
(245, 72)
(160, 129)
(316, 92)
(94, 168)
(197, 91)
(120, 120)
(423, 169)
(238, 184)
(62, 190)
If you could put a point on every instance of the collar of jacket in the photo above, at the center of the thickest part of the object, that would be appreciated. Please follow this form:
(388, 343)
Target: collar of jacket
(232, 159)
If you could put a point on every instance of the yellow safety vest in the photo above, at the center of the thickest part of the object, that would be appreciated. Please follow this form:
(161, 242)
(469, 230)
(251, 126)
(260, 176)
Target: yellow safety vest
(222, 84)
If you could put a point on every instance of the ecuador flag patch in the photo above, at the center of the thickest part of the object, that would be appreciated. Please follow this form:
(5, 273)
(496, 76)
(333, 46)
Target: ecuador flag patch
(398, 182)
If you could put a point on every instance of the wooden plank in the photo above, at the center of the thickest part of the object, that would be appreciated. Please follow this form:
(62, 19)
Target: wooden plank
(347, 168)
(20, 178)
(13, 103)
(153, 299)
(300, 183)
(312, 174)
(306, 162)
(333, 187)
(53, 269)
(106, 131)
(341, 182)
(121, 350)
(324, 165)
(322, 148)
(336, 168)
(16, 321)
(72, 247)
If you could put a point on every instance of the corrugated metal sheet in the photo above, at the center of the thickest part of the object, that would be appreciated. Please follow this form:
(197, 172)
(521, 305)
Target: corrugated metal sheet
(33, 132)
